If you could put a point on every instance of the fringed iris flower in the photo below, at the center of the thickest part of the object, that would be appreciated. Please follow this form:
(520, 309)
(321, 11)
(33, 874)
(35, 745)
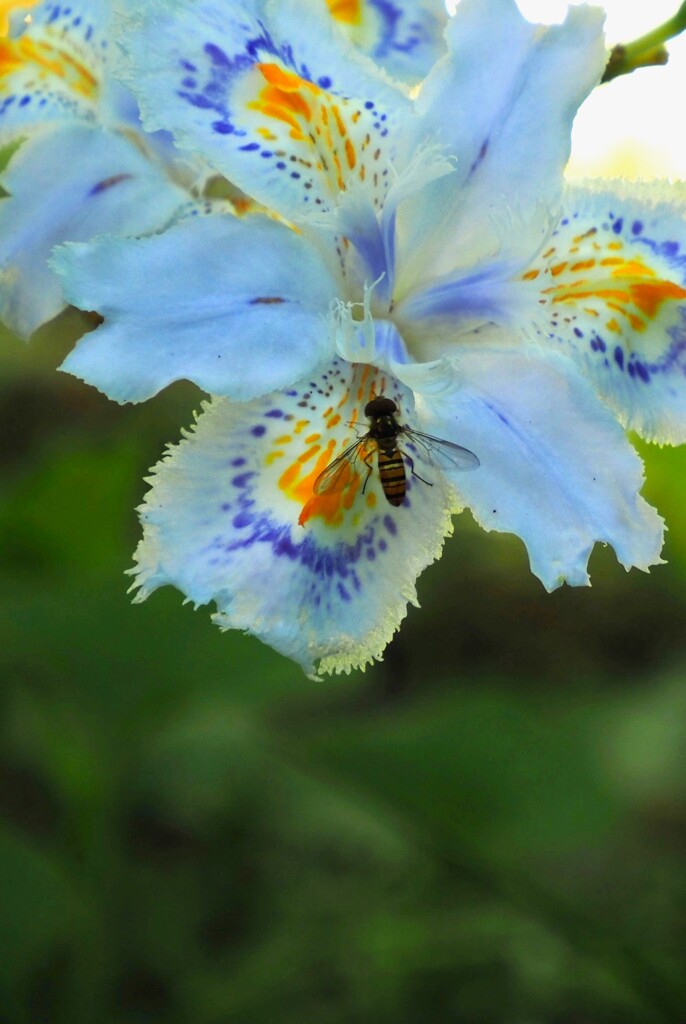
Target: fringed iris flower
(422, 250)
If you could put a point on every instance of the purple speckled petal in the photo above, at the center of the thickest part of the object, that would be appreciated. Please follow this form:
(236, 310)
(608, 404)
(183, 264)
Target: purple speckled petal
(613, 284)
(222, 522)
(270, 93)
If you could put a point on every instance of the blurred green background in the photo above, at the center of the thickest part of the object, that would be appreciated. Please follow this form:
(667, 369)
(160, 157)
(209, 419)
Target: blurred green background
(484, 829)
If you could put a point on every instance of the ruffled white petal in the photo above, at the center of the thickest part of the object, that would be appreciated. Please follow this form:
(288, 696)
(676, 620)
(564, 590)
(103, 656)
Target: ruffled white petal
(70, 183)
(611, 287)
(270, 93)
(556, 468)
(502, 103)
(237, 306)
(222, 523)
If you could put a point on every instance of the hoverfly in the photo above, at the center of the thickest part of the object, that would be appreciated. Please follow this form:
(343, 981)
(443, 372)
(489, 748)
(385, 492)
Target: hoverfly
(382, 437)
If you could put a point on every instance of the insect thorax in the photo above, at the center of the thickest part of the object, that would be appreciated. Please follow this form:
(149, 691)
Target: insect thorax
(383, 427)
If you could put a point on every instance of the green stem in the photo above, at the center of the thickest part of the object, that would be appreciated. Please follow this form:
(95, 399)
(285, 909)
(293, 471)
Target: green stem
(647, 50)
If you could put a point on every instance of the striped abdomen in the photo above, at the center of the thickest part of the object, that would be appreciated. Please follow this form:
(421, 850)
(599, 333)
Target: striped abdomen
(392, 473)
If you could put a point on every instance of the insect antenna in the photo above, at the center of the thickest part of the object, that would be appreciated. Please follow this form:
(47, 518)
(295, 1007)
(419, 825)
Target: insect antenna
(353, 426)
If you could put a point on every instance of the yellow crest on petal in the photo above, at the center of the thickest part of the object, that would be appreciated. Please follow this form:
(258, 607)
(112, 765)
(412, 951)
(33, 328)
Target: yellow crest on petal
(44, 54)
(347, 11)
(609, 282)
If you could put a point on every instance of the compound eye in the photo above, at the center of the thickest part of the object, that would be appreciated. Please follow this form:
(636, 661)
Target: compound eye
(380, 407)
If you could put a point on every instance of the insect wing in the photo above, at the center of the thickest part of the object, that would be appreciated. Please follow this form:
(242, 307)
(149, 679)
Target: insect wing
(337, 475)
(445, 453)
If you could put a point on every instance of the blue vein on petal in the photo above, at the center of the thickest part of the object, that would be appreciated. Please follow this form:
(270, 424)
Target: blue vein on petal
(671, 252)
(390, 17)
(328, 566)
(389, 344)
(459, 297)
(106, 183)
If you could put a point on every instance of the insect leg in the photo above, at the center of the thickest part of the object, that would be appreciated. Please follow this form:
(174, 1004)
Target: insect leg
(410, 462)
(370, 469)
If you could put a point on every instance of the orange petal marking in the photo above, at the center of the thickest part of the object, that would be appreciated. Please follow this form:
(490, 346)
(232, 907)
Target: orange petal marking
(311, 115)
(298, 481)
(331, 505)
(650, 295)
(630, 287)
(47, 60)
(348, 11)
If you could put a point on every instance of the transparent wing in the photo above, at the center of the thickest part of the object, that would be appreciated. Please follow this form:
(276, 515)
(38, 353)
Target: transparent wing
(442, 451)
(337, 475)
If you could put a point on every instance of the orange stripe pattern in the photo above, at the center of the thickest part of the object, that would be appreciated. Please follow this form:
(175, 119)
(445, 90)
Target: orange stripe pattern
(55, 62)
(321, 140)
(610, 290)
(324, 422)
(44, 61)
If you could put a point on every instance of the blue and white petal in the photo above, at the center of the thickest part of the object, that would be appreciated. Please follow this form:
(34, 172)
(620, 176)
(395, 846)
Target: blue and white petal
(455, 311)
(52, 65)
(556, 468)
(612, 291)
(237, 306)
(68, 184)
(270, 93)
(405, 37)
(511, 89)
(231, 517)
